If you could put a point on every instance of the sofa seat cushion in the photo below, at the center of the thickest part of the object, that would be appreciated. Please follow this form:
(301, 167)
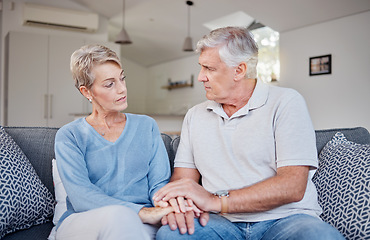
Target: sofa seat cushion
(342, 182)
(24, 200)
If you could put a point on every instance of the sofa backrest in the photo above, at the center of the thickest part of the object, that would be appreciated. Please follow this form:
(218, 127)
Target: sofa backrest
(37, 143)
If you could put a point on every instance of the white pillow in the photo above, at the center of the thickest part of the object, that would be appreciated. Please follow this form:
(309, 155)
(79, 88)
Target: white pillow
(60, 194)
(60, 198)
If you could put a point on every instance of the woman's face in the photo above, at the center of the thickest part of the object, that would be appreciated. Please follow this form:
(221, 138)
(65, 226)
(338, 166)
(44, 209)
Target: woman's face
(109, 92)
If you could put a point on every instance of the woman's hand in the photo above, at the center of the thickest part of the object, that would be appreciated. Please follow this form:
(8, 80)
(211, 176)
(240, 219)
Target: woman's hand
(153, 215)
(180, 204)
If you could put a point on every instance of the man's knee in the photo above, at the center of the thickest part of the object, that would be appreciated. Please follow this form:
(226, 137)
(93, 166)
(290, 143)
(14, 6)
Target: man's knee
(217, 227)
(165, 232)
(302, 226)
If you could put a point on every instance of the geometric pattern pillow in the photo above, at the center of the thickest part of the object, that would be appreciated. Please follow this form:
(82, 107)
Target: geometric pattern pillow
(24, 199)
(343, 185)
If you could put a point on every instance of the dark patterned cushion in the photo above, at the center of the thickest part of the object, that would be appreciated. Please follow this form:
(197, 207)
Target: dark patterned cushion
(24, 200)
(342, 182)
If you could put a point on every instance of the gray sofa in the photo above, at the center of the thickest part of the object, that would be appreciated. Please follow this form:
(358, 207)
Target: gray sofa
(38, 145)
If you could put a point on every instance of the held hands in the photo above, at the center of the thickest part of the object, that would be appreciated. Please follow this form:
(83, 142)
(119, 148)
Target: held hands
(183, 217)
(189, 190)
(189, 200)
(179, 205)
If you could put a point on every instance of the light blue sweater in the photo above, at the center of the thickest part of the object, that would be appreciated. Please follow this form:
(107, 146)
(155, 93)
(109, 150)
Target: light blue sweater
(97, 173)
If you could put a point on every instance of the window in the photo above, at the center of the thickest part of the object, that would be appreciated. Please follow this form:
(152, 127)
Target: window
(268, 66)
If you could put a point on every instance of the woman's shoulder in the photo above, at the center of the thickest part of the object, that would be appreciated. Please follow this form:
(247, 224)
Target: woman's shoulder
(72, 127)
(140, 117)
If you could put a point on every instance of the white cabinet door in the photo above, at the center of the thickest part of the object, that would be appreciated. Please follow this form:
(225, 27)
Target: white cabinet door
(41, 90)
(27, 79)
(64, 98)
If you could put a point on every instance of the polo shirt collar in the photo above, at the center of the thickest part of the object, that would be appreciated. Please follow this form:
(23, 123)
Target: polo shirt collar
(258, 99)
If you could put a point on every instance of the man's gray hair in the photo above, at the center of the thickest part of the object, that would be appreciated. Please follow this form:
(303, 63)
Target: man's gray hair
(235, 44)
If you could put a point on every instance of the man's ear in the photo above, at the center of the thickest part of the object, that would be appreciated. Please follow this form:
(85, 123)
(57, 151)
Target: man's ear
(241, 71)
(84, 91)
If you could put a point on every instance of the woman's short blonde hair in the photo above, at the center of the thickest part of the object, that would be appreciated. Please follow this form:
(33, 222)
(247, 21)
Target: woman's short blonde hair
(85, 58)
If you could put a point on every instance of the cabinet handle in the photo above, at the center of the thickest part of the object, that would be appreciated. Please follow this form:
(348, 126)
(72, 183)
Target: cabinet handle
(51, 106)
(46, 106)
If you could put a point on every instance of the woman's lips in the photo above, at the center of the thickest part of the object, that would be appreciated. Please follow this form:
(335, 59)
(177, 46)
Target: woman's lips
(122, 99)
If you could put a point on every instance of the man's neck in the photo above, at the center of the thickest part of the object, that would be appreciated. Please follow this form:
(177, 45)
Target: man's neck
(242, 96)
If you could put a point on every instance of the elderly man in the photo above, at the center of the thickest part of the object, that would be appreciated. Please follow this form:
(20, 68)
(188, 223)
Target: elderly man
(253, 145)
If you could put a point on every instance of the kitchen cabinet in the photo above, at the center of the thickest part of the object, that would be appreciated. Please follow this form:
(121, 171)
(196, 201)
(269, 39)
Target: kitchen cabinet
(39, 89)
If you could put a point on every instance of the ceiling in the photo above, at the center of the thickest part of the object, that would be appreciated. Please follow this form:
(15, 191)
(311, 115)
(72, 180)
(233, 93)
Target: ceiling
(158, 27)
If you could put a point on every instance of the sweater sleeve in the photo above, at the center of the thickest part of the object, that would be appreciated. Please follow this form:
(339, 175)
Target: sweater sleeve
(82, 194)
(159, 167)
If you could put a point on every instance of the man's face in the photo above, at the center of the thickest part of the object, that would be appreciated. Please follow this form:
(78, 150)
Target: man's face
(217, 77)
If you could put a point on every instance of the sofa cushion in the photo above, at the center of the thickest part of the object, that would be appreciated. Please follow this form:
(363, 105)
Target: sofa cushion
(342, 182)
(24, 200)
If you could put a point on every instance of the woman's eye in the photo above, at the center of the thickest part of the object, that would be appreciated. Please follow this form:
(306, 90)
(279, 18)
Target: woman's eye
(123, 78)
(109, 85)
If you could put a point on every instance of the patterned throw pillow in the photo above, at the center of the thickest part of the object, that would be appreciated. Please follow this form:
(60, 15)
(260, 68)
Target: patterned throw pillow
(342, 182)
(24, 200)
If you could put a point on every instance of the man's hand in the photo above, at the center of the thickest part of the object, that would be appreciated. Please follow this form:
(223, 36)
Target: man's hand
(188, 189)
(184, 221)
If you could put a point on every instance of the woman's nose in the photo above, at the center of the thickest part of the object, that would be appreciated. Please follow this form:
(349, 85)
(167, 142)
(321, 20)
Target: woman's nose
(122, 86)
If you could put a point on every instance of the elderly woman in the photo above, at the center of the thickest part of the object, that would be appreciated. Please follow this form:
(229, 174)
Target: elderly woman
(111, 163)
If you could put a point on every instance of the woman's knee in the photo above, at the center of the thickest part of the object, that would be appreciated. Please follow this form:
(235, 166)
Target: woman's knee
(119, 214)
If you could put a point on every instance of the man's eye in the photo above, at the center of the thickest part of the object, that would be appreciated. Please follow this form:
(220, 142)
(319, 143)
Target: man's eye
(123, 78)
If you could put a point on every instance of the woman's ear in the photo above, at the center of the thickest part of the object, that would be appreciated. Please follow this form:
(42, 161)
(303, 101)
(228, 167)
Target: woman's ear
(84, 91)
(241, 71)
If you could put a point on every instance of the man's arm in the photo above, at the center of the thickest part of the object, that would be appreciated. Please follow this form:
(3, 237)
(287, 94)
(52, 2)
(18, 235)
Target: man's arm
(190, 173)
(287, 186)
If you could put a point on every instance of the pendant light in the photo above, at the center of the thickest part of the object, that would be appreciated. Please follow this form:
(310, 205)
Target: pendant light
(188, 44)
(123, 37)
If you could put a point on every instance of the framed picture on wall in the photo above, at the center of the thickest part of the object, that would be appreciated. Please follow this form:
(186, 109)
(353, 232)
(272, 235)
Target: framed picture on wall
(320, 65)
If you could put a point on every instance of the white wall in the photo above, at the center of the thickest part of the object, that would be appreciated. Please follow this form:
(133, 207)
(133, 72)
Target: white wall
(136, 82)
(341, 99)
(337, 100)
(11, 20)
(175, 101)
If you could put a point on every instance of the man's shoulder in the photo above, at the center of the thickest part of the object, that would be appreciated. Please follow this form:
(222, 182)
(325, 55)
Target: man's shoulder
(200, 108)
(203, 105)
(283, 93)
